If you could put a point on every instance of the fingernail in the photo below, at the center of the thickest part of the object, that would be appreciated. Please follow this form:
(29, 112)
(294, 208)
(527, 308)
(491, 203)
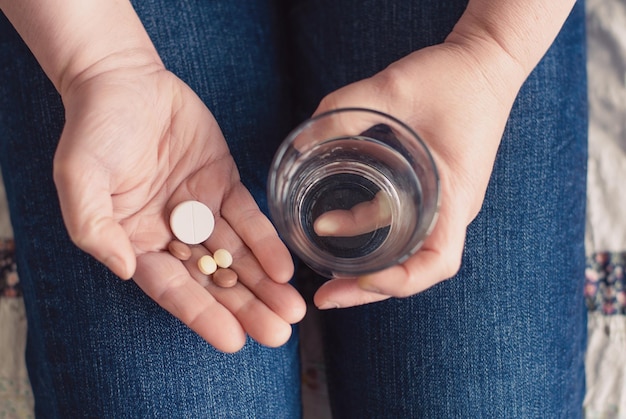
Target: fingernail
(325, 226)
(366, 286)
(328, 305)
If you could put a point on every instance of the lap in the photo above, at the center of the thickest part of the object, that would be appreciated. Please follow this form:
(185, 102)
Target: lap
(98, 346)
(502, 338)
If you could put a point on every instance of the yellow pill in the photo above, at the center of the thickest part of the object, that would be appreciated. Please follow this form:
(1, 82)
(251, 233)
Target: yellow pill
(223, 258)
(207, 265)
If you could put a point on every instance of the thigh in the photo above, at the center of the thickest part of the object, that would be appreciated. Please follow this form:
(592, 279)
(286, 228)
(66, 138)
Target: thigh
(505, 337)
(97, 346)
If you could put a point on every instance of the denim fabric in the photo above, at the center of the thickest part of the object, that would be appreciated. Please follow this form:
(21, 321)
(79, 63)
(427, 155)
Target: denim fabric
(504, 338)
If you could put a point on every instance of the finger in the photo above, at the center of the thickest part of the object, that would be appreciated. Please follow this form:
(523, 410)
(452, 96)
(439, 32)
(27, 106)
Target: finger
(439, 259)
(419, 273)
(344, 292)
(87, 210)
(256, 318)
(231, 200)
(335, 122)
(241, 212)
(261, 259)
(360, 219)
(282, 299)
(164, 279)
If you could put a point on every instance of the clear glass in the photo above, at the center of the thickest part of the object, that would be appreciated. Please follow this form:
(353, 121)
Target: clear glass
(353, 191)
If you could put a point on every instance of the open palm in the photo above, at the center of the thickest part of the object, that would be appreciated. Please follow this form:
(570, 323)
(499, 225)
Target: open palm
(138, 141)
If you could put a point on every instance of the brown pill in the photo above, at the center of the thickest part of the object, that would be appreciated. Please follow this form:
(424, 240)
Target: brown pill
(179, 250)
(225, 278)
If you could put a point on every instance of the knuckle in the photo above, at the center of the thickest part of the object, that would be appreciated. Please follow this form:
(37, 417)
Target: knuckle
(85, 235)
(329, 102)
(391, 82)
(451, 266)
(80, 236)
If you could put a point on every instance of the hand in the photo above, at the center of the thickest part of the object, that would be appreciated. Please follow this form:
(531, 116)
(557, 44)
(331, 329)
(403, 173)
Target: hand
(137, 141)
(362, 218)
(457, 98)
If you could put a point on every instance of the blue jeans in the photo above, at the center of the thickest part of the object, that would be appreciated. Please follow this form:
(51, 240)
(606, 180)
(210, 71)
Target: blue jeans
(503, 338)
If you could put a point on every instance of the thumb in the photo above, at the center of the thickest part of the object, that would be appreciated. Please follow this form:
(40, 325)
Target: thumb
(87, 209)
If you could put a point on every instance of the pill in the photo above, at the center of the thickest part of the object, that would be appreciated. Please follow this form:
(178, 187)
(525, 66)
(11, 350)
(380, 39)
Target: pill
(223, 258)
(207, 265)
(225, 278)
(179, 250)
(192, 222)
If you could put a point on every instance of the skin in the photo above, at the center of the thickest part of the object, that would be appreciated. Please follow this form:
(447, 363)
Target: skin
(139, 134)
(443, 92)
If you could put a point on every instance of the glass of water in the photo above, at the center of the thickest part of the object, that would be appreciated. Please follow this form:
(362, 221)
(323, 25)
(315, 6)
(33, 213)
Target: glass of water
(353, 191)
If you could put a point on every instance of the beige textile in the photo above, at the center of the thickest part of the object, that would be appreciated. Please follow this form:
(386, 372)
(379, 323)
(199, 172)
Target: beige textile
(606, 198)
(16, 399)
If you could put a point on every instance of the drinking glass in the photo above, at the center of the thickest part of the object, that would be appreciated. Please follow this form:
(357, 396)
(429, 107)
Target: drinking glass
(353, 191)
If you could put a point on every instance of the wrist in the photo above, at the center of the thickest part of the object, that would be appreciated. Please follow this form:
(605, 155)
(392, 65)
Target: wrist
(518, 32)
(491, 64)
(129, 63)
(71, 38)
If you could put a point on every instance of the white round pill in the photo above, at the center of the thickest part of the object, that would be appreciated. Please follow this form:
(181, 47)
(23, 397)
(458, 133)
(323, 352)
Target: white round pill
(192, 222)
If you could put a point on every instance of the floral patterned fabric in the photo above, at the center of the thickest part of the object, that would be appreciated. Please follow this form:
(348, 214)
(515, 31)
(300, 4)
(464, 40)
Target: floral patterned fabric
(16, 398)
(605, 241)
(605, 283)
(9, 283)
